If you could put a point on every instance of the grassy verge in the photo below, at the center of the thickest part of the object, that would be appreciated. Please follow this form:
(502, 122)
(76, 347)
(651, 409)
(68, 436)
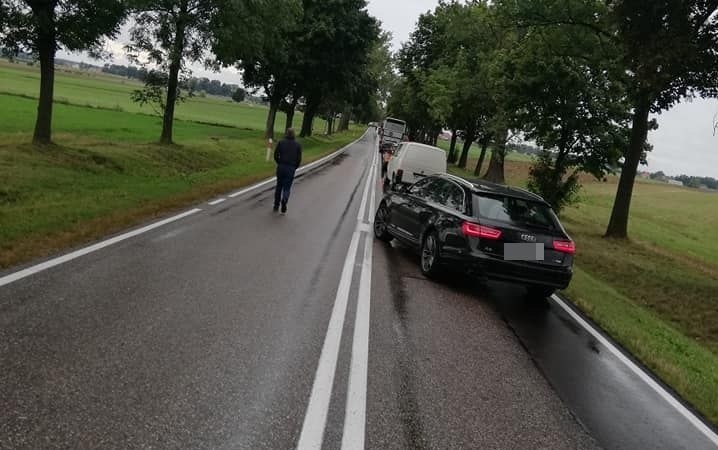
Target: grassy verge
(688, 367)
(656, 294)
(105, 174)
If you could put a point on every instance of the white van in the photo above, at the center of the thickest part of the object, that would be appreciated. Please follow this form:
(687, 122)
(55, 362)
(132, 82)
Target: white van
(413, 161)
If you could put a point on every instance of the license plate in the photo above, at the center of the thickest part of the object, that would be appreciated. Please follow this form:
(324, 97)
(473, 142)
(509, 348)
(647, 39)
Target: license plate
(523, 252)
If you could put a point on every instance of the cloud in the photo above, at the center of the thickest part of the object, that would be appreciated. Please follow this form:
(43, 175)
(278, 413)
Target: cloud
(684, 142)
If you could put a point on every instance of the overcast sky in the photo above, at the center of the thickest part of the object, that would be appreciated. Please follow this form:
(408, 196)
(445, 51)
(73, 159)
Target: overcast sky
(684, 142)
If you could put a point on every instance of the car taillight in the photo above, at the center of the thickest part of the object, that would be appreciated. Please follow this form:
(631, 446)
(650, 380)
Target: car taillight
(399, 175)
(565, 247)
(479, 231)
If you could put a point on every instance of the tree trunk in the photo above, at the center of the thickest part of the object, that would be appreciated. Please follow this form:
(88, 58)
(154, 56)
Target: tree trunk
(346, 117)
(308, 121)
(468, 142)
(173, 83)
(618, 225)
(480, 164)
(495, 173)
(451, 157)
(290, 113)
(330, 125)
(271, 117)
(46, 51)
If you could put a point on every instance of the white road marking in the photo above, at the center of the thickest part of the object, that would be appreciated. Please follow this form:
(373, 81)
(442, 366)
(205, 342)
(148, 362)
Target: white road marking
(677, 405)
(367, 187)
(315, 419)
(253, 188)
(364, 228)
(217, 202)
(355, 417)
(92, 248)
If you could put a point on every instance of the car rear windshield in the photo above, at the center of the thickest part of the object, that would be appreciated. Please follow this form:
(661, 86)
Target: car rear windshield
(516, 211)
(394, 127)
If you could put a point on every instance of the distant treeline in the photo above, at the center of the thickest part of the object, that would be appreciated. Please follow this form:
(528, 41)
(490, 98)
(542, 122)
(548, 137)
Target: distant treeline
(687, 180)
(211, 87)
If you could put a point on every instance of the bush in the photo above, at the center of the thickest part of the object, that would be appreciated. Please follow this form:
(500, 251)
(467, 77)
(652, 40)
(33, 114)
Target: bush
(551, 181)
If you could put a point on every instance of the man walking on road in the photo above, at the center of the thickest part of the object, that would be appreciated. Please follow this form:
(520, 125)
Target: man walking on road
(288, 156)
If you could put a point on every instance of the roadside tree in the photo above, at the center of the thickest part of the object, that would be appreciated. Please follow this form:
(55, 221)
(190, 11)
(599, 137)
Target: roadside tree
(43, 27)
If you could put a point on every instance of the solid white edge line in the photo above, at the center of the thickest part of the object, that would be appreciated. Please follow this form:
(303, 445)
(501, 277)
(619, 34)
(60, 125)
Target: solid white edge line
(312, 435)
(677, 405)
(217, 202)
(92, 248)
(354, 433)
(367, 186)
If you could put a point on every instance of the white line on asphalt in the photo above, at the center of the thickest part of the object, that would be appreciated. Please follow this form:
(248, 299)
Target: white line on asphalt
(92, 248)
(217, 202)
(369, 184)
(315, 418)
(355, 417)
(677, 405)
(253, 188)
(372, 198)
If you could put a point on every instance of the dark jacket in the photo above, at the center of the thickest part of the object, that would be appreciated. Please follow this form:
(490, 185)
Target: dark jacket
(288, 153)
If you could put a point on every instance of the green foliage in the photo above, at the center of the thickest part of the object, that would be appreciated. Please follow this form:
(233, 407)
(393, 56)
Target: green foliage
(74, 25)
(552, 182)
(239, 95)
(154, 92)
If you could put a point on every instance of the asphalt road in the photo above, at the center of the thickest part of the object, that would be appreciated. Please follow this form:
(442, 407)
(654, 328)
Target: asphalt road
(235, 328)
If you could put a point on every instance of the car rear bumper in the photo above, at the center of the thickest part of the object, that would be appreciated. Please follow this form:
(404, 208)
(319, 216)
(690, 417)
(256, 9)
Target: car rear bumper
(534, 274)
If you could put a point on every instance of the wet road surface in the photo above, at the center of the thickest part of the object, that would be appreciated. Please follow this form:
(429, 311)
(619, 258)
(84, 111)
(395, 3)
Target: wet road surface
(226, 330)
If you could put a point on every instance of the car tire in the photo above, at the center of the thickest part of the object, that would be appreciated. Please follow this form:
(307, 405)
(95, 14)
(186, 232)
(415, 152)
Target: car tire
(430, 255)
(380, 224)
(540, 292)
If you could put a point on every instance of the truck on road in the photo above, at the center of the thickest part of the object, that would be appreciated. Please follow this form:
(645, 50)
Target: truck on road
(392, 130)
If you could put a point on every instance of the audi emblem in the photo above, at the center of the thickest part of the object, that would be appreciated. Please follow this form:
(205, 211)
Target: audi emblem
(528, 238)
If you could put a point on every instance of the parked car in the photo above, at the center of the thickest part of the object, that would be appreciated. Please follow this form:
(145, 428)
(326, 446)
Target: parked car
(413, 161)
(485, 229)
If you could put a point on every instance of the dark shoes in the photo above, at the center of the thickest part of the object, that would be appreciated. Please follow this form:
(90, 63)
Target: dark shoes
(284, 208)
(276, 208)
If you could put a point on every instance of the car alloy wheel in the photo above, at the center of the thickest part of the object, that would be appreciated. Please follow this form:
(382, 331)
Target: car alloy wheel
(380, 230)
(430, 255)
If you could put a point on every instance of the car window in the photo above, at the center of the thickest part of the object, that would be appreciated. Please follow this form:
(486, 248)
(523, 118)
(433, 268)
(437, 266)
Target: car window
(516, 211)
(422, 188)
(448, 194)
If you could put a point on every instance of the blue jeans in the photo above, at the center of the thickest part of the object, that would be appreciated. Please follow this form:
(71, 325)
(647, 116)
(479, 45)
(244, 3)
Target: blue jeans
(285, 178)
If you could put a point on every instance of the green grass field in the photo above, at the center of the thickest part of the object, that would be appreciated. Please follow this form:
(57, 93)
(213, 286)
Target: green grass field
(111, 92)
(106, 172)
(656, 294)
